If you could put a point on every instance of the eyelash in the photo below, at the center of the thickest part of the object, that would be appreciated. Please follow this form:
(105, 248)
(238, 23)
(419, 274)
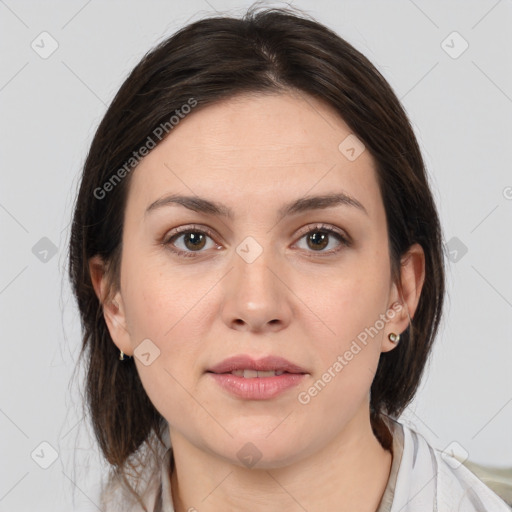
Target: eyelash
(167, 242)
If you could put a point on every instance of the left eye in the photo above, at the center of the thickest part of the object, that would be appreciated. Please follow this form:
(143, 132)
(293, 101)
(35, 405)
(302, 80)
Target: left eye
(195, 240)
(319, 238)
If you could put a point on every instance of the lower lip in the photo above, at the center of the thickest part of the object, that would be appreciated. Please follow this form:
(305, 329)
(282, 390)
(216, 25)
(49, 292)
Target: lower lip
(257, 388)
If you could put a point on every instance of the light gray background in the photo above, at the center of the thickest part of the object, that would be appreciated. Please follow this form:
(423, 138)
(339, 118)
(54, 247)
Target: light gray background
(461, 109)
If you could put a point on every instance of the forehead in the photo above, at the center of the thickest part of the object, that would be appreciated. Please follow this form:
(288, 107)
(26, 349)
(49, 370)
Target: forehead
(256, 147)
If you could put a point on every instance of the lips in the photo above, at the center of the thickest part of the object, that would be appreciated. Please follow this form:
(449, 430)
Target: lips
(246, 378)
(248, 367)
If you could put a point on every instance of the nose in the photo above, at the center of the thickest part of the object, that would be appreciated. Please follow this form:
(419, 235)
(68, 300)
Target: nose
(256, 297)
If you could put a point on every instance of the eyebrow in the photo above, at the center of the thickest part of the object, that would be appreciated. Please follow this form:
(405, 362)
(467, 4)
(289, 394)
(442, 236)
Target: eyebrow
(202, 205)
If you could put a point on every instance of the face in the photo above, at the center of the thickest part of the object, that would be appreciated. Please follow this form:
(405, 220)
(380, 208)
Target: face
(310, 284)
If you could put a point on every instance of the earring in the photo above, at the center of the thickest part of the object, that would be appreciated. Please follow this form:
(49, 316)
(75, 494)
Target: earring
(121, 355)
(394, 338)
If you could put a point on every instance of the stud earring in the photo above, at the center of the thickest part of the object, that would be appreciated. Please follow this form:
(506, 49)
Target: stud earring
(394, 338)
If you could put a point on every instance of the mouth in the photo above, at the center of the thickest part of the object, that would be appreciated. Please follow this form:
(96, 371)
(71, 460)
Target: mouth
(249, 368)
(251, 374)
(249, 384)
(256, 379)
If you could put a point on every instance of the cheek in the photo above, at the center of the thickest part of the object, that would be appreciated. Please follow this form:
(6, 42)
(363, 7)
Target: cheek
(158, 301)
(348, 359)
(349, 305)
(162, 318)
(170, 312)
(171, 393)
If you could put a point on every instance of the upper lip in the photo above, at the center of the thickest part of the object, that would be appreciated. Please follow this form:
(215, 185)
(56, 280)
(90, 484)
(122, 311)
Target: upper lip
(246, 362)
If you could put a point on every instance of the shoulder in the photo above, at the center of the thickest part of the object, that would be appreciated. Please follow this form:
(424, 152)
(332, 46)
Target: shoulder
(430, 479)
(116, 497)
(146, 479)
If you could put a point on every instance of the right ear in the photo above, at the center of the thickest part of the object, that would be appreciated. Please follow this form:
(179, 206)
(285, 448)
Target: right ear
(113, 309)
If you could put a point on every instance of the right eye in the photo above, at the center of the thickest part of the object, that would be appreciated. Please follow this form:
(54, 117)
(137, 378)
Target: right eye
(193, 240)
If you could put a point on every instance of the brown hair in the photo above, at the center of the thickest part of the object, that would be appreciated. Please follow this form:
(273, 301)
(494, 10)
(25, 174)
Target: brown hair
(209, 60)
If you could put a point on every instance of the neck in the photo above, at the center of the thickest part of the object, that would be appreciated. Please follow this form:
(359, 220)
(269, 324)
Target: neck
(349, 473)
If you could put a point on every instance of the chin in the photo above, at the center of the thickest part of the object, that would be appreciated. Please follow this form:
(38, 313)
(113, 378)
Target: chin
(263, 451)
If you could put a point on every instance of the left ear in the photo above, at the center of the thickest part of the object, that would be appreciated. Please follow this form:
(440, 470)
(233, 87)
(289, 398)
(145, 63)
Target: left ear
(404, 296)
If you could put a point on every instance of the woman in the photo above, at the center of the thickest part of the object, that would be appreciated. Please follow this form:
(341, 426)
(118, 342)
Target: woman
(258, 264)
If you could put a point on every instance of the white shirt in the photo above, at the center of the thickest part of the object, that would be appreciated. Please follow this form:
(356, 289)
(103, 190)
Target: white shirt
(422, 479)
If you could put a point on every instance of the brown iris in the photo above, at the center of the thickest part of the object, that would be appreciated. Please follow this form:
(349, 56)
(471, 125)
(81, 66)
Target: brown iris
(320, 240)
(196, 240)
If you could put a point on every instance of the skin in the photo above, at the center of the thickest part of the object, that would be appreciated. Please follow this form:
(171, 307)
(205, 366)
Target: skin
(255, 153)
